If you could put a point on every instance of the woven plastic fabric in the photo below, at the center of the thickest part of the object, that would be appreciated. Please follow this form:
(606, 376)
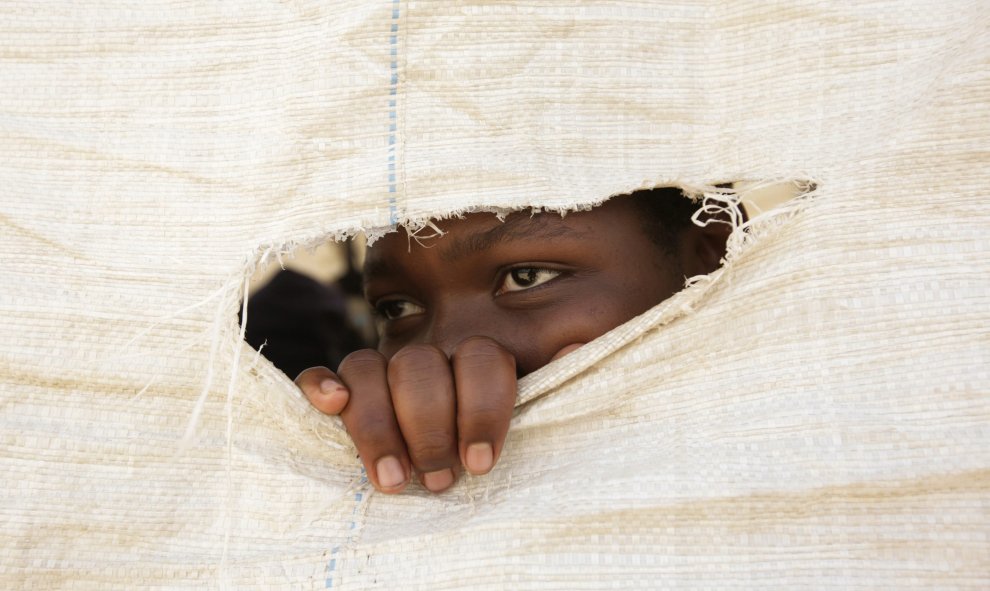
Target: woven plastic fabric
(814, 414)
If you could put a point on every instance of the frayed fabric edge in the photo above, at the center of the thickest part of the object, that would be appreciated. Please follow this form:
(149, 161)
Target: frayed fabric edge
(227, 336)
(713, 199)
(745, 235)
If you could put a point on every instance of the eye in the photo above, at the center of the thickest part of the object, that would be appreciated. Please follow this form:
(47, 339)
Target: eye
(395, 309)
(523, 278)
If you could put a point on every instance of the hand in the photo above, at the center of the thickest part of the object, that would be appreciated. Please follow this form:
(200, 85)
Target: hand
(421, 409)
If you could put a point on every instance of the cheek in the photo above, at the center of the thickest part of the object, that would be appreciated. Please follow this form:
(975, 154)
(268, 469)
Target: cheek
(586, 311)
(585, 318)
(535, 340)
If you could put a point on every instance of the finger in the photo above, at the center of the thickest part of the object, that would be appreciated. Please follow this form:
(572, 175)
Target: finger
(370, 421)
(566, 350)
(323, 389)
(485, 380)
(422, 387)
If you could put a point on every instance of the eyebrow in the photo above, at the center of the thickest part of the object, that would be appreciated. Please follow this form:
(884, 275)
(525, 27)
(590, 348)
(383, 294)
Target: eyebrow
(375, 268)
(519, 227)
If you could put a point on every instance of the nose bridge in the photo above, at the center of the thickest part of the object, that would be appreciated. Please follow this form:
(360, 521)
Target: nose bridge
(453, 322)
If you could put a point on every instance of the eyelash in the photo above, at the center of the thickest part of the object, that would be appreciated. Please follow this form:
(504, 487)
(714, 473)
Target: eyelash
(537, 270)
(382, 311)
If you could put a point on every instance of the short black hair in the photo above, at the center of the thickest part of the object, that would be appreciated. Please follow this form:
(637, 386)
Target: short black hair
(666, 211)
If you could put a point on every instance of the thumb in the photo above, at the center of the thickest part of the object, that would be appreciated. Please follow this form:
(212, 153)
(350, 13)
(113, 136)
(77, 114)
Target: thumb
(568, 349)
(324, 390)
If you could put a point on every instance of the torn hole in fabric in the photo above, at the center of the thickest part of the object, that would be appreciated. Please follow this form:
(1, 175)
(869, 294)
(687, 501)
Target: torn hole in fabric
(308, 308)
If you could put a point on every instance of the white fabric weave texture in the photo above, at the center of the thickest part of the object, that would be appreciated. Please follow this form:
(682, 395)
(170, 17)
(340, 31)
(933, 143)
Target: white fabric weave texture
(815, 414)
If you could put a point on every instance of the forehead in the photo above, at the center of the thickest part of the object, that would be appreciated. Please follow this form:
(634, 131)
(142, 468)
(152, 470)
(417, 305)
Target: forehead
(477, 232)
(458, 238)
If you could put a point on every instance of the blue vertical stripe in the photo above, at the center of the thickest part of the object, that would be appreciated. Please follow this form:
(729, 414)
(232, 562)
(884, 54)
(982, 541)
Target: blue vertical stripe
(334, 553)
(393, 114)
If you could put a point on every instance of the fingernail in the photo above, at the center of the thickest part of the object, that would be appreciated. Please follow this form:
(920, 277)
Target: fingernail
(439, 480)
(390, 472)
(329, 386)
(479, 458)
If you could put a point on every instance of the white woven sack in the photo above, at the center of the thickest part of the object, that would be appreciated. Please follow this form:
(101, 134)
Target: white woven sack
(815, 414)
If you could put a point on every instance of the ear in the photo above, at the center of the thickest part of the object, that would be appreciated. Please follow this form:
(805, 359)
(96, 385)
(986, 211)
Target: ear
(703, 247)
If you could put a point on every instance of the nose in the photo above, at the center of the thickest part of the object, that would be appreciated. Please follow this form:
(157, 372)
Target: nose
(451, 324)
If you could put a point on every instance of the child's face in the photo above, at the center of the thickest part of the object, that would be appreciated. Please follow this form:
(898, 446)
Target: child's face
(537, 285)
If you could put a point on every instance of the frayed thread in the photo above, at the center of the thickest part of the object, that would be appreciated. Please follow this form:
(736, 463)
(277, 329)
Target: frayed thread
(229, 411)
(420, 237)
(216, 337)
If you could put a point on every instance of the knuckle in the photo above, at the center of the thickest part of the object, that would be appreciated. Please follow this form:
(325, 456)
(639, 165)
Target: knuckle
(482, 350)
(418, 366)
(417, 355)
(431, 447)
(484, 416)
(364, 361)
(370, 426)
